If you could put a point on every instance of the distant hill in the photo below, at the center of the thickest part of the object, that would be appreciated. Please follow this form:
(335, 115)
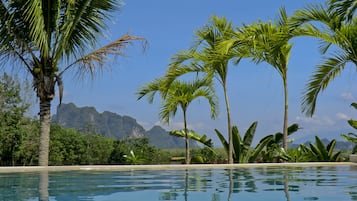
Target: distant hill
(109, 124)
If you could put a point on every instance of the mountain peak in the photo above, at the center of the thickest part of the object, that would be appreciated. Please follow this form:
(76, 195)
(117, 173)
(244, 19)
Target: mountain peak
(89, 120)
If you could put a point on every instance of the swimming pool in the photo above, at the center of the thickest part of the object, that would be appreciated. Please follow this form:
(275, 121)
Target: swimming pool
(291, 183)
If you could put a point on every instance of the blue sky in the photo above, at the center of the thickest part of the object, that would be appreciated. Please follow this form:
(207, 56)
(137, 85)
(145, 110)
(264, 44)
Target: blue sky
(255, 91)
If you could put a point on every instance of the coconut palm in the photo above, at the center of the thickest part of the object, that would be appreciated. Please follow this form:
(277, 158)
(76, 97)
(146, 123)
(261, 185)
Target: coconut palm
(326, 24)
(270, 43)
(204, 59)
(47, 38)
(179, 94)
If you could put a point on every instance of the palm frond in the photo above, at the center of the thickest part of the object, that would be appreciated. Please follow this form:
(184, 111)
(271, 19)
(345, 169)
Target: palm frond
(81, 25)
(150, 89)
(94, 61)
(35, 18)
(311, 12)
(345, 8)
(323, 75)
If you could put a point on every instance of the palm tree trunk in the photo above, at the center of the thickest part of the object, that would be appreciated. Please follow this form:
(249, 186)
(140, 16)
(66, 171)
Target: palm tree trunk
(187, 140)
(230, 136)
(45, 123)
(285, 126)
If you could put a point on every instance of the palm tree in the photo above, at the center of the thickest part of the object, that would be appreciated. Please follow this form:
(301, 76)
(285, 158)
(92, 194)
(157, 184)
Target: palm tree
(47, 38)
(270, 43)
(180, 94)
(205, 59)
(327, 25)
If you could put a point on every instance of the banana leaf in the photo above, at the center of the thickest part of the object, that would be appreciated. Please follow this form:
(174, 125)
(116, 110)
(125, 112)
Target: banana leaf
(194, 136)
(237, 144)
(249, 134)
(322, 149)
(352, 123)
(223, 140)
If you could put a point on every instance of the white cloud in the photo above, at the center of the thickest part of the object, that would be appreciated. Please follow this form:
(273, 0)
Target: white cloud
(347, 96)
(342, 116)
(146, 125)
(179, 125)
(315, 120)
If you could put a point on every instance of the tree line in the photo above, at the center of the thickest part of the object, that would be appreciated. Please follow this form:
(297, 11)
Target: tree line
(19, 141)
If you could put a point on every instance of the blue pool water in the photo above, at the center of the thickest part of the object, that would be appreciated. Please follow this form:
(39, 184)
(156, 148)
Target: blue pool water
(338, 183)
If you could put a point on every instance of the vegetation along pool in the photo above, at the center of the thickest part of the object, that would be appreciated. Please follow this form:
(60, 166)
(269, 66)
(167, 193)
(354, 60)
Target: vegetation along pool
(327, 183)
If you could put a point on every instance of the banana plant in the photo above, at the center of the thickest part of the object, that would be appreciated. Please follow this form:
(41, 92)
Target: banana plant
(351, 136)
(274, 151)
(194, 136)
(242, 150)
(319, 153)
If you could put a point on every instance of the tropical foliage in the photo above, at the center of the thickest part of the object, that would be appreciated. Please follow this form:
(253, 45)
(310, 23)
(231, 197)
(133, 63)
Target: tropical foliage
(269, 42)
(335, 26)
(273, 151)
(318, 152)
(352, 137)
(243, 151)
(180, 94)
(48, 38)
(206, 59)
(194, 136)
(13, 125)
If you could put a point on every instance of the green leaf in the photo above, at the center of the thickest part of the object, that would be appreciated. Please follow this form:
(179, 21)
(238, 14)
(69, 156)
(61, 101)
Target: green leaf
(330, 148)
(249, 134)
(237, 144)
(259, 148)
(352, 123)
(354, 105)
(223, 140)
(322, 149)
(315, 152)
(293, 128)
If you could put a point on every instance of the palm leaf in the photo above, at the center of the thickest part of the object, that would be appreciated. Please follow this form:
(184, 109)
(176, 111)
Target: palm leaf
(90, 62)
(35, 18)
(324, 74)
(345, 8)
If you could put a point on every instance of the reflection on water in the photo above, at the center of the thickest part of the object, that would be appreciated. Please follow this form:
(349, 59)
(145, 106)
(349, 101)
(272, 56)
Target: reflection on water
(273, 183)
(43, 186)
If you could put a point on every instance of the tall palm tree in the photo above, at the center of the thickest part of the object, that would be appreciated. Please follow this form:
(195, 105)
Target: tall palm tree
(47, 38)
(205, 59)
(180, 94)
(321, 22)
(269, 42)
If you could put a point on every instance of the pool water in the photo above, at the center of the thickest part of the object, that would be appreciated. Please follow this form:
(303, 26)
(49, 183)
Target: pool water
(337, 183)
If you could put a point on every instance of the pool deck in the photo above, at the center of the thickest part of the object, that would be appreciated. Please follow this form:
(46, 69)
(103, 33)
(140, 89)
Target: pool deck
(166, 167)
